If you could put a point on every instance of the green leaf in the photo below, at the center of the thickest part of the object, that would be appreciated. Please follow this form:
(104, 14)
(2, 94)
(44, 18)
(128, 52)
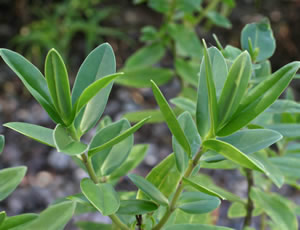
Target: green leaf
(235, 87)
(201, 188)
(102, 196)
(188, 6)
(2, 217)
(10, 178)
(35, 132)
(65, 143)
(170, 119)
(279, 211)
(109, 159)
(260, 98)
(161, 6)
(197, 202)
(118, 138)
(261, 37)
(149, 189)
(196, 227)
(58, 84)
(17, 222)
(135, 157)
(146, 56)
(185, 104)
(87, 225)
(99, 63)
(219, 74)
(136, 207)
(286, 130)
(2, 143)
(54, 217)
(33, 80)
(164, 176)
(187, 71)
(140, 78)
(284, 106)
(92, 90)
(238, 210)
(288, 165)
(190, 131)
(219, 20)
(233, 154)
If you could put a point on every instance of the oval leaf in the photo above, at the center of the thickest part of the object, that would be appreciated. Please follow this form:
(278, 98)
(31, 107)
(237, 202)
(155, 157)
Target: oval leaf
(136, 207)
(102, 196)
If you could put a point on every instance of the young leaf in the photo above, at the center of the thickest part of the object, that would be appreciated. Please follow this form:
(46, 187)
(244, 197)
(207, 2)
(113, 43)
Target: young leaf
(14, 222)
(35, 132)
(196, 227)
(149, 189)
(235, 87)
(170, 119)
(197, 202)
(261, 37)
(233, 154)
(54, 217)
(65, 143)
(119, 138)
(92, 90)
(260, 98)
(163, 176)
(58, 84)
(279, 211)
(33, 80)
(2, 142)
(136, 207)
(190, 130)
(201, 188)
(135, 157)
(10, 178)
(102, 196)
(99, 63)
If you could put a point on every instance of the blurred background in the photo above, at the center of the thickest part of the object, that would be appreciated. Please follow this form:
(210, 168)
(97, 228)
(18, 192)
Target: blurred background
(74, 28)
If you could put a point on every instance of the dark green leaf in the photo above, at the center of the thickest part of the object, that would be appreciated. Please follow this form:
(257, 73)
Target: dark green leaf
(102, 196)
(38, 133)
(170, 119)
(149, 189)
(58, 84)
(10, 178)
(136, 207)
(65, 143)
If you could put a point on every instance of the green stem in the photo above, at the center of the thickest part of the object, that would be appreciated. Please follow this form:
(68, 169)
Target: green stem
(263, 221)
(250, 205)
(88, 164)
(211, 6)
(192, 164)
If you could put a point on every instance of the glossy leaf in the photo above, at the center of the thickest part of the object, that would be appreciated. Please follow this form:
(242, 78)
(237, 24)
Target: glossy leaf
(261, 37)
(58, 83)
(163, 176)
(279, 211)
(197, 202)
(170, 119)
(201, 188)
(54, 217)
(33, 80)
(92, 90)
(146, 56)
(2, 143)
(65, 143)
(35, 132)
(233, 154)
(149, 189)
(17, 222)
(140, 78)
(260, 98)
(10, 178)
(135, 157)
(109, 159)
(235, 87)
(196, 227)
(102, 196)
(99, 63)
(190, 131)
(118, 138)
(136, 207)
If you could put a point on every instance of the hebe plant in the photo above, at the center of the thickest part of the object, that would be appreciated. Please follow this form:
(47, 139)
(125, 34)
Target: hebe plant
(174, 195)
